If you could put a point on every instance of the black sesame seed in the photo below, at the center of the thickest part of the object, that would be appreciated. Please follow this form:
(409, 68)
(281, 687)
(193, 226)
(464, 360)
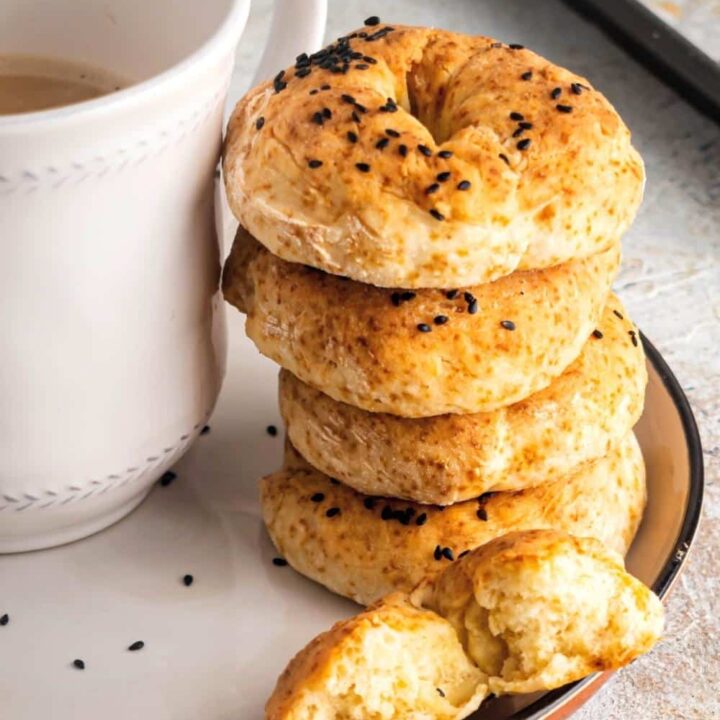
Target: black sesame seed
(576, 88)
(392, 133)
(355, 116)
(372, 20)
(485, 497)
(137, 645)
(504, 158)
(362, 66)
(408, 295)
(451, 294)
(472, 307)
(271, 430)
(516, 46)
(440, 319)
(403, 150)
(633, 337)
(468, 297)
(448, 553)
(79, 664)
(482, 514)
(318, 118)
(463, 554)
(516, 116)
(387, 513)
(443, 176)
(526, 75)
(618, 314)
(507, 324)
(279, 562)
(430, 189)
(333, 481)
(555, 93)
(188, 580)
(421, 519)
(166, 478)
(437, 554)
(259, 122)
(424, 328)
(425, 150)
(314, 91)
(4, 619)
(314, 163)
(327, 113)
(464, 185)
(279, 85)
(382, 143)
(360, 108)
(370, 503)
(302, 72)
(325, 87)
(525, 125)
(317, 497)
(437, 214)
(352, 137)
(440, 692)
(332, 512)
(348, 99)
(369, 60)
(523, 144)
(564, 108)
(395, 299)
(518, 132)
(445, 154)
(597, 334)
(362, 167)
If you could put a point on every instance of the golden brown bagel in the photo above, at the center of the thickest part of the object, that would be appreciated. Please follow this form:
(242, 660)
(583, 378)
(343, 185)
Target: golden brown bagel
(447, 458)
(328, 169)
(528, 611)
(364, 346)
(358, 554)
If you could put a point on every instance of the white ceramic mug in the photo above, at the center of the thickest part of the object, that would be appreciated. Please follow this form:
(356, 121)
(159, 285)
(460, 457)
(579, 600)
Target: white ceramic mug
(112, 345)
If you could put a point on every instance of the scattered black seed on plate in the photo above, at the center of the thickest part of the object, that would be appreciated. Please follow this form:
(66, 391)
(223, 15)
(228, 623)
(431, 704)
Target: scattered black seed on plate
(523, 144)
(555, 93)
(259, 122)
(443, 176)
(4, 619)
(271, 430)
(516, 116)
(279, 562)
(619, 314)
(362, 167)
(430, 189)
(504, 158)
(440, 319)
(332, 512)
(440, 692)
(448, 553)
(314, 164)
(576, 88)
(79, 664)
(464, 185)
(424, 328)
(188, 580)
(564, 108)
(421, 519)
(392, 133)
(526, 75)
(352, 137)
(437, 214)
(437, 554)
(167, 477)
(372, 20)
(445, 154)
(482, 514)
(525, 125)
(425, 150)
(317, 497)
(205, 430)
(451, 294)
(137, 645)
(472, 307)
(516, 46)
(597, 334)
(403, 150)
(382, 143)
(507, 324)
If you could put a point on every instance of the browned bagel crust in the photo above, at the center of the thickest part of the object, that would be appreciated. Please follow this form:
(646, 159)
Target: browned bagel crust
(448, 458)
(352, 342)
(328, 169)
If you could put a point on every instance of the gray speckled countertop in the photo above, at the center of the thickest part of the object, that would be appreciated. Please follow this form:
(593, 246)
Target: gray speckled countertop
(670, 282)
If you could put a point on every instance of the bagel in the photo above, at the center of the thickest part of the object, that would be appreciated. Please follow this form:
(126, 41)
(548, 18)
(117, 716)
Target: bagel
(441, 161)
(372, 546)
(527, 612)
(367, 347)
(448, 458)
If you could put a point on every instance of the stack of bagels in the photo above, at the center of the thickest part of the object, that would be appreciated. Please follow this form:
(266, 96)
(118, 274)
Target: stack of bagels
(430, 224)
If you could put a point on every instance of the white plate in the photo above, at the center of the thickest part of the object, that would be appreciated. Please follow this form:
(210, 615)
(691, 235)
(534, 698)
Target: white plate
(213, 650)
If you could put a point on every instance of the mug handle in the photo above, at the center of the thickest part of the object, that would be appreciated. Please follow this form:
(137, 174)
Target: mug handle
(297, 26)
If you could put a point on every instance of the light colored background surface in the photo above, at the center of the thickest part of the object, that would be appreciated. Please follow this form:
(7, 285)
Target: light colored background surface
(670, 282)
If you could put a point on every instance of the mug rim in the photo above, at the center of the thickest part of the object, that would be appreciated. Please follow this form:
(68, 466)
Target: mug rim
(229, 28)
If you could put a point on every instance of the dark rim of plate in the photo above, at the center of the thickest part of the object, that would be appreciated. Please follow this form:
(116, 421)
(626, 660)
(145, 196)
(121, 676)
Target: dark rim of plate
(555, 699)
